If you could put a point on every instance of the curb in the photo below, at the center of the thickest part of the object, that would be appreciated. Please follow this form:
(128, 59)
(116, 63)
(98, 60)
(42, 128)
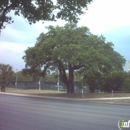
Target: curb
(65, 98)
(36, 96)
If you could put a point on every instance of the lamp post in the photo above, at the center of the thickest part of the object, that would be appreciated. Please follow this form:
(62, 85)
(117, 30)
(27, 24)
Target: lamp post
(16, 79)
(58, 83)
(39, 83)
(82, 87)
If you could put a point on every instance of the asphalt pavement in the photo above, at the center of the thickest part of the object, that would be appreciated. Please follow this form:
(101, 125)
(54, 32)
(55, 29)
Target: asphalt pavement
(31, 113)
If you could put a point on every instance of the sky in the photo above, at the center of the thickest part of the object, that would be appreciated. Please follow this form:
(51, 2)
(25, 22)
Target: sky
(109, 18)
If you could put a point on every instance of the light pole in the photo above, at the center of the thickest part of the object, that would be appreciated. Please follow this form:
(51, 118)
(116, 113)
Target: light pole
(16, 79)
(82, 88)
(58, 83)
(39, 83)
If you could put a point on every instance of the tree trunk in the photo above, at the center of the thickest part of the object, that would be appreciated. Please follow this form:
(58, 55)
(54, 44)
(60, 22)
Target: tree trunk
(2, 89)
(70, 87)
(68, 81)
(70, 84)
(92, 89)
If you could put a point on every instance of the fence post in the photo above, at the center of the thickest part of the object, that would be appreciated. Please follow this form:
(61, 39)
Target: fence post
(82, 93)
(39, 83)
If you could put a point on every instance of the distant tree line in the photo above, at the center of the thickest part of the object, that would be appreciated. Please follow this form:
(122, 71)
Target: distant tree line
(118, 81)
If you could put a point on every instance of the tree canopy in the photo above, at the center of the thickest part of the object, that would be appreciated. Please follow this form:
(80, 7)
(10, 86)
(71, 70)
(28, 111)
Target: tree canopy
(35, 10)
(72, 49)
(21, 76)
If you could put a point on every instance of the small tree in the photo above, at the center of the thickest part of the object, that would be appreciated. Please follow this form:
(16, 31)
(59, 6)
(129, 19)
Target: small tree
(6, 74)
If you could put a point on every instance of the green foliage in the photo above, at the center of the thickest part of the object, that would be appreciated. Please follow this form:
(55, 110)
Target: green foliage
(73, 49)
(103, 62)
(126, 83)
(113, 81)
(35, 10)
(29, 75)
(21, 76)
(52, 77)
(6, 75)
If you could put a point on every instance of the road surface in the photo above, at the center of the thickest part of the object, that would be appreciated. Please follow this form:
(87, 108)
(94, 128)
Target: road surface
(28, 113)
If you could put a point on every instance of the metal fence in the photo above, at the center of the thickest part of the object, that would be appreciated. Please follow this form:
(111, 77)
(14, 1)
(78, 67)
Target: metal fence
(43, 85)
(46, 85)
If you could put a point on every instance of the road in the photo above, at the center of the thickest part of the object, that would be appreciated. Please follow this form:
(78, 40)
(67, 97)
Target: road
(27, 113)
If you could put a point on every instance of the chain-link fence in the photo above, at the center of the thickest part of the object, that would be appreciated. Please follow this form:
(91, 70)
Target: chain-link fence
(43, 85)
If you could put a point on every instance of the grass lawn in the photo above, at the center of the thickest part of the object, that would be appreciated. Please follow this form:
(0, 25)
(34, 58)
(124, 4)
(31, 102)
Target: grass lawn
(64, 94)
(31, 91)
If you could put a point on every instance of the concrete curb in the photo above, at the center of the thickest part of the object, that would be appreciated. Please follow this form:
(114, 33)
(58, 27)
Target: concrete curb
(36, 96)
(62, 98)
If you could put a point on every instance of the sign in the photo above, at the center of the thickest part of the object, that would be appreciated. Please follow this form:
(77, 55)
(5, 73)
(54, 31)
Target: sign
(122, 124)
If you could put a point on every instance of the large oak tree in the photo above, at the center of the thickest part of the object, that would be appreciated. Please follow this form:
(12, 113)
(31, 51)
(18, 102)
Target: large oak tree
(72, 49)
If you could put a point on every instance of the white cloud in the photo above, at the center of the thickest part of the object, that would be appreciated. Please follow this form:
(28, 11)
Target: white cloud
(12, 53)
(105, 15)
(14, 32)
(40, 27)
(11, 34)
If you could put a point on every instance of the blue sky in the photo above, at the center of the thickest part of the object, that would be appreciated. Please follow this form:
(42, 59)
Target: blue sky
(103, 17)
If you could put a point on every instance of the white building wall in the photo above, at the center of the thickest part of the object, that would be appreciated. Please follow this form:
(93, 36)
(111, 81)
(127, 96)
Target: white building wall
(128, 66)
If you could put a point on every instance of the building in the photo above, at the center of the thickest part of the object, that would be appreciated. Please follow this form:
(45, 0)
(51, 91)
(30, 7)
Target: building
(128, 66)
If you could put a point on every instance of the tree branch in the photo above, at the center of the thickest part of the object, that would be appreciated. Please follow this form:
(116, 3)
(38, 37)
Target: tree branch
(63, 75)
(4, 18)
(78, 66)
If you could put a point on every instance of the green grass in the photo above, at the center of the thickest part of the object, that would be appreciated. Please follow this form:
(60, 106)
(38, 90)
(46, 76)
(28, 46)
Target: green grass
(31, 91)
(54, 93)
(64, 94)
